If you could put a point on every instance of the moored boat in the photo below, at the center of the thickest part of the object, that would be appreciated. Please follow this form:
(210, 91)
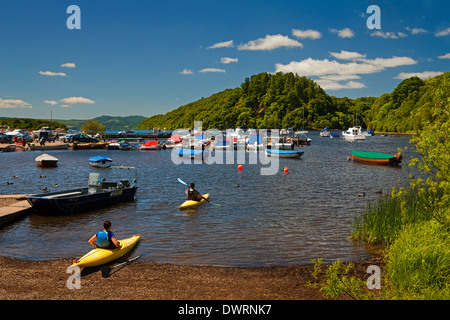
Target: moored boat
(46, 160)
(376, 157)
(195, 154)
(88, 145)
(284, 153)
(325, 132)
(151, 145)
(334, 135)
(100, 161)
(353, 133)
(99, 193)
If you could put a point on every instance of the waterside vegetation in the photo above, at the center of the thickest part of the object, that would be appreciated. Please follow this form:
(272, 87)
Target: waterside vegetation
(411, 223)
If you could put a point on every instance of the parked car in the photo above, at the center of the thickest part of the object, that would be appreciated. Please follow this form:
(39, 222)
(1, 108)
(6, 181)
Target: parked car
(4, 138)
(82, 138)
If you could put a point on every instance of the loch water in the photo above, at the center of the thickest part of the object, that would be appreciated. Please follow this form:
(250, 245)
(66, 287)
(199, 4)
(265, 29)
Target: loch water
(279, 219)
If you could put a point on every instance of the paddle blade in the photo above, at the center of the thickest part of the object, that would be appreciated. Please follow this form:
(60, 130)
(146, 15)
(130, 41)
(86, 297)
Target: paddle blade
(182, 182)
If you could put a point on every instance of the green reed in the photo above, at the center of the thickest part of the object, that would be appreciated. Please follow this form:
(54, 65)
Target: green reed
(385, 218)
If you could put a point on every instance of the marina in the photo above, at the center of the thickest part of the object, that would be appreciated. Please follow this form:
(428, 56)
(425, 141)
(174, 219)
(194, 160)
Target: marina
(279, 219)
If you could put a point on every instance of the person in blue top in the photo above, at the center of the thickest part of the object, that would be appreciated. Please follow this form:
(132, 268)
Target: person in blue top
(105, 239)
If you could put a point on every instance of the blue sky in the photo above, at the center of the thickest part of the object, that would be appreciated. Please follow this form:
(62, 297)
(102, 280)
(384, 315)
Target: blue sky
(148, 57)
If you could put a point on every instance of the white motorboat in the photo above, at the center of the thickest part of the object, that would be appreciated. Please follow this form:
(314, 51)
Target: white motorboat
(353, 133)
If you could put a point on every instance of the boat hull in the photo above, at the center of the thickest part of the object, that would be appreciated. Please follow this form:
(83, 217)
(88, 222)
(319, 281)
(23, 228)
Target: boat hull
(188, 204)
(194, 154)
(283, 153)
(376, 158)
(87, 146)
(99, 256)
(46, 160)
(78, 200)
(47, 163)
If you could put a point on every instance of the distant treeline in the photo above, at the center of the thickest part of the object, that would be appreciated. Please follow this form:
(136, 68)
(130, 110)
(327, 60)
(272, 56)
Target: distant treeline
(290, 101)
(110, 123)
(30, 124)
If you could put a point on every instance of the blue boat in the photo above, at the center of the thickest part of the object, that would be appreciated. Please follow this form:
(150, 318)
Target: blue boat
(192, 153)
(283, 153)
(100, 161)
(334, 135)
(325, 132)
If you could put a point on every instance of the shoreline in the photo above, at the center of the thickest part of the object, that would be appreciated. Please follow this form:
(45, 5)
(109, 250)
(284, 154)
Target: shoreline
(139, 280)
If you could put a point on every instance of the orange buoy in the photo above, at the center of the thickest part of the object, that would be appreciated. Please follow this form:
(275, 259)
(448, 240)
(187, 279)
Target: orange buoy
(240, 167)
(286, 169)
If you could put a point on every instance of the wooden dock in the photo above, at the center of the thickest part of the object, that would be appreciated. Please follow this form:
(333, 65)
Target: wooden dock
(14, 211)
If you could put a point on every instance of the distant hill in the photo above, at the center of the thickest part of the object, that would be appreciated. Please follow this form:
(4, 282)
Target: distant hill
(111, 123)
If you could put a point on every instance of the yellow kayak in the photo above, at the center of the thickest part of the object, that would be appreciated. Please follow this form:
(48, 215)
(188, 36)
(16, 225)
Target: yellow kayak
(192, 203)
(99, 256)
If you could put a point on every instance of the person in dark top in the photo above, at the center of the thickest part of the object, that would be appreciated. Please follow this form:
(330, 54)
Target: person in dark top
(193, 194)
(105, 238)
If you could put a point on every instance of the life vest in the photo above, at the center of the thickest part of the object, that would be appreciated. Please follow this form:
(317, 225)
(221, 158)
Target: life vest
(104, 239)
(192, 194)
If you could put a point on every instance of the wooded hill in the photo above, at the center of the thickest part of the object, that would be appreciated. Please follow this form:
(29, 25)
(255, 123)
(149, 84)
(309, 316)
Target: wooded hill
(290, 101)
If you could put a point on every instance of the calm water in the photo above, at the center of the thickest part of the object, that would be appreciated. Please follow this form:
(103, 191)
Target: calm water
(262, 220)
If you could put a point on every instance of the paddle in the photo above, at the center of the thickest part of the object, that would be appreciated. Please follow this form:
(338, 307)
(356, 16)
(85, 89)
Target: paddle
(182, 182)
(107, 269)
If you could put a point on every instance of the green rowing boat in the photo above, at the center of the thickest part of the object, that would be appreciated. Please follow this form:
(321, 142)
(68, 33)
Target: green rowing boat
(376, 157)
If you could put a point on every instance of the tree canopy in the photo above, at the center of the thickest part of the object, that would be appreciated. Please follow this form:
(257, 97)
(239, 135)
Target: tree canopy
(285, 100)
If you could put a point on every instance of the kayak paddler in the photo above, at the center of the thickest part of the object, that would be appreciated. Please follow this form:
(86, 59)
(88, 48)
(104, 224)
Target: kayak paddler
(105, 238)
(193, 194)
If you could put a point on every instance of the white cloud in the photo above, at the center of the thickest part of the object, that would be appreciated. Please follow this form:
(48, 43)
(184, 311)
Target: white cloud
(306, 34)
(443, 33)
(13, 103)
(65, 106)
(211, 70)
(331, 73)
(422, 75)
(347, 55)
(416, 30)
(52, 74)
(74, 100)
(335, 85)
(388, 35)
(186, 71)
(51, 102)
(226, 60)
(270, 43)
(340, 77)
(445, 56)
(225, 44)
(344, 33)
(313, 67)
(68, 65)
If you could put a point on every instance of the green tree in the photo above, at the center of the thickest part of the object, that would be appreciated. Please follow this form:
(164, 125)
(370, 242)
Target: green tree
(93, 127)
(433, 145)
